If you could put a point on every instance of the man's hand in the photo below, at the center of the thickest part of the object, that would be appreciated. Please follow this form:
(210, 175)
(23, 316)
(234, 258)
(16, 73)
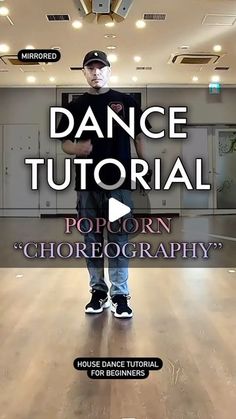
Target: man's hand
(148, 176)
(83, 148)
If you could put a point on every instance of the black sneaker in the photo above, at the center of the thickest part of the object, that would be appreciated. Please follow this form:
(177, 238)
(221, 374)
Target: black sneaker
(98, 302)
(120, 306)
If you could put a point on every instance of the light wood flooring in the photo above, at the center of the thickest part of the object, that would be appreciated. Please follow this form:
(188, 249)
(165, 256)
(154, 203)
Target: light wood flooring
(187, 317)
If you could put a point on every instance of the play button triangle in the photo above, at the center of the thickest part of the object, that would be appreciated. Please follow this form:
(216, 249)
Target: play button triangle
(116, 209)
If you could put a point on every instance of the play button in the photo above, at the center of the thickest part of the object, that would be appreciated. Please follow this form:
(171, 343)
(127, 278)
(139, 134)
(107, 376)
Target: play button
(116, 209)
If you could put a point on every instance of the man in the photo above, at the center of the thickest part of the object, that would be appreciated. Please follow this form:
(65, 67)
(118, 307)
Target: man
(93, 203)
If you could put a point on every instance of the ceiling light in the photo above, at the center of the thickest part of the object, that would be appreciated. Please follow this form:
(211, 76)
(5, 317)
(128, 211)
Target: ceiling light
(135, 78)
(110, 35)
(31, 79)
(77, 24)
(111, 47)
(217, 48)
(184, 47)
(112, 58)
(140, 24)
(29, 47)
(195, 79)
(113, 79)
(4, 11)
(137, 58)
(215, 79)
(110, 24)
(4, 48)
(231, 271)
(52, 79)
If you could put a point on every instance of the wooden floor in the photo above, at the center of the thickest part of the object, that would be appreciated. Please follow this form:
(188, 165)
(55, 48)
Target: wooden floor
(187, 317)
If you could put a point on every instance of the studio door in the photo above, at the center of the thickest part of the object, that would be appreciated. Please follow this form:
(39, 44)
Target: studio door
(19, 142)
(224, 140)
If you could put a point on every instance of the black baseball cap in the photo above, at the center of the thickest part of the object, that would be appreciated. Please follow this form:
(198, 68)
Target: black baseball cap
(96, 55)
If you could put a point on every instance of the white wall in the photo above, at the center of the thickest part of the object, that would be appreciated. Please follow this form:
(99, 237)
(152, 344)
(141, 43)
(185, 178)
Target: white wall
(1, 169)
(31, 106)
(203, 109)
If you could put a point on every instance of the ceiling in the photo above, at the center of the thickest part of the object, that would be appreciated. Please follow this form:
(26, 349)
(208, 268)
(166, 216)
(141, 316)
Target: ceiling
(155, 43)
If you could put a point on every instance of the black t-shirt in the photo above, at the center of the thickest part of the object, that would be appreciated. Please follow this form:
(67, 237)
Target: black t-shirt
(117, 147)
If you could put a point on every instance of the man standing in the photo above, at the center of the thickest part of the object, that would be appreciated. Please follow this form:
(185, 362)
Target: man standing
(93, 202)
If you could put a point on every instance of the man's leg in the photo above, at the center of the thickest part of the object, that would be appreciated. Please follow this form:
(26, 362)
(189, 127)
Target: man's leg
(118, 266)
(90, 206)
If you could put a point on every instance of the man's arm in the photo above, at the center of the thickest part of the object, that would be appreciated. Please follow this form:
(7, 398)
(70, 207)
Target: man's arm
(82, 148)
(139, 145)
